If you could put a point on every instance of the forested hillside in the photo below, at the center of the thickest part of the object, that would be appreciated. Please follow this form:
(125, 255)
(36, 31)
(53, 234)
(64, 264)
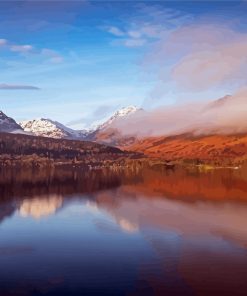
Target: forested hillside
(23, 148)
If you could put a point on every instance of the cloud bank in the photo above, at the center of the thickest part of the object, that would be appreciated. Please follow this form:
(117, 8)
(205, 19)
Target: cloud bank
(195, 58)
(223, 116)
(204, 56)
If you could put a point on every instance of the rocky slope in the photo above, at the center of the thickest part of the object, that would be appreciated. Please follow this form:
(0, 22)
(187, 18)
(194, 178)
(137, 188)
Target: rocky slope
(7, 124)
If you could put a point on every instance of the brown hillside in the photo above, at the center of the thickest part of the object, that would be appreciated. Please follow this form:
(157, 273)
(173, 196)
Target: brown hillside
(219, 149)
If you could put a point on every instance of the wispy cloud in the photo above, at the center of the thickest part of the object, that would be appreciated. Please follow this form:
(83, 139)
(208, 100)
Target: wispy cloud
(134, 42)
(74, 123)
(26, 49)
(102, 111)
(4, 86)
(114, 31)
(3, 42)
(52, 55)
(99, 115)
(150, 23)
(21, 48)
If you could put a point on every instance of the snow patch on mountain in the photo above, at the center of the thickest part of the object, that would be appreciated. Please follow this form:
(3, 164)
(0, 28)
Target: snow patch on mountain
(122, 113)
(49, 128)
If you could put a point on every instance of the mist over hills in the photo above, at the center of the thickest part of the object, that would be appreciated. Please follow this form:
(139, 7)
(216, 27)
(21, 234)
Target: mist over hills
(48, 128)
(222, 116)
(207, 131)
(226, 115)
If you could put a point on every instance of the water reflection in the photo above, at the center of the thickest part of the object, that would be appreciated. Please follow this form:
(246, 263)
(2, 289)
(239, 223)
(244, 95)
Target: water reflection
(125, 232)
(38, 207)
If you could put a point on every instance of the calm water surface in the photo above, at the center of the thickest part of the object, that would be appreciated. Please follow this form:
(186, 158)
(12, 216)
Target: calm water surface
(135, 232)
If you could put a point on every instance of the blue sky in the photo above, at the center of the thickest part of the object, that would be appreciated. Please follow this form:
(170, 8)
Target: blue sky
(78, 61)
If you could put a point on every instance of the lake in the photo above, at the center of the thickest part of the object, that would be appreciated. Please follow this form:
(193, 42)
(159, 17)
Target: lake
(123, 232)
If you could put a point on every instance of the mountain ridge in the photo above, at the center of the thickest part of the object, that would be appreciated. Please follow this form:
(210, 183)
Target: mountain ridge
(218, 142)
(49, 128)
(8, 124)
(52, 129)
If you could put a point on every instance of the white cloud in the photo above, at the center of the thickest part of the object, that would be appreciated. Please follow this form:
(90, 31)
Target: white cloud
(115, 31)
(135, 34)
(134, 42)
(51, 55)
(200, 57)
(3, 42)
(21, 48)
(149, 24)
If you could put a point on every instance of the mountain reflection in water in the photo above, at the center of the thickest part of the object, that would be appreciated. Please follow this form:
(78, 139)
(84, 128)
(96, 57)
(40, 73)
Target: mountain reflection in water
(123, 232)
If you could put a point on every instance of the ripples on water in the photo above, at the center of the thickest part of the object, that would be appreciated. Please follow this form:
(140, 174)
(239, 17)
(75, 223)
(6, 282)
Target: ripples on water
(127, 232)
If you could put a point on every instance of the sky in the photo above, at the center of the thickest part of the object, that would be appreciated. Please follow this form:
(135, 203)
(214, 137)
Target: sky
(76, 62)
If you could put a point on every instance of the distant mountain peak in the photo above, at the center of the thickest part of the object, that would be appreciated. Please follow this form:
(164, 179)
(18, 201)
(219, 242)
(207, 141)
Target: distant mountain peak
(3, 114)
(126, 110)
(8, 124)
(123, 112)
(220, 102)
(45, 127)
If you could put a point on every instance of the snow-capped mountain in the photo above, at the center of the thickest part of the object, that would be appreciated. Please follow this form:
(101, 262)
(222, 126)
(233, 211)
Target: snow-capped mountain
(53, 129)
(120, 114)
(108, 132)
(8, 124)
(48, 128)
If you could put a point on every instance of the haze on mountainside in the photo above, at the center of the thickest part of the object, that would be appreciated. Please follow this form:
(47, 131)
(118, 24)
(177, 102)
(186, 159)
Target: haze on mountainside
(224, 116)
(49, 128)
(53, 129)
